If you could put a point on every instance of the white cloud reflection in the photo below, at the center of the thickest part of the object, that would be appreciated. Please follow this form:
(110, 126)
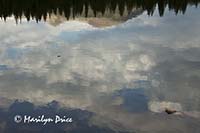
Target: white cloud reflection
(165, 52)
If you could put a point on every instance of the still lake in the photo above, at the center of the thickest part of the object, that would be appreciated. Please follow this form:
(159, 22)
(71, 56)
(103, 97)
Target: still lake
(113, 66)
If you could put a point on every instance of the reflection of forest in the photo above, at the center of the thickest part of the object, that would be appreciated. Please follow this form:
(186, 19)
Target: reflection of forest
(38, 9)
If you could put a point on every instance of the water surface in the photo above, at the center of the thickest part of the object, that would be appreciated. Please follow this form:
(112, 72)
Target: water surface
(119, 78)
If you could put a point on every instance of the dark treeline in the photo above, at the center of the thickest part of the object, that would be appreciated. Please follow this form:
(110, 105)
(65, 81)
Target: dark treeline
(40, 9)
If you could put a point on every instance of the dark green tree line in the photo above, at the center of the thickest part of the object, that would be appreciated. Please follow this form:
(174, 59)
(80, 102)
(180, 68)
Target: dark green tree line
(38, 9)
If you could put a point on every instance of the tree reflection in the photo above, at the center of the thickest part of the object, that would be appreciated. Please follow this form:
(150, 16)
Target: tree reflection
(40, 9)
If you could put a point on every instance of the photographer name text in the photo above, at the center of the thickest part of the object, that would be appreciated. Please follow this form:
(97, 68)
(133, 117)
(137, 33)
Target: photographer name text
(42, 119)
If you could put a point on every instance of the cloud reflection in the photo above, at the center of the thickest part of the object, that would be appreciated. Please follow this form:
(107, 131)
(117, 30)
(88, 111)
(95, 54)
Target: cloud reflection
(95, 64)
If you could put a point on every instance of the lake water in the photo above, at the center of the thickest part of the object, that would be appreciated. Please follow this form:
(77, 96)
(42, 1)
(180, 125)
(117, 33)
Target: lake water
(113, 66)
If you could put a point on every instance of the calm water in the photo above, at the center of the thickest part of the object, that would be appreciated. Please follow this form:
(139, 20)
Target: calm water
(113, 73)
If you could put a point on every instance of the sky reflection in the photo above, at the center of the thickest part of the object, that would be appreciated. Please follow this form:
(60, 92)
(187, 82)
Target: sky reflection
(157, 59)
